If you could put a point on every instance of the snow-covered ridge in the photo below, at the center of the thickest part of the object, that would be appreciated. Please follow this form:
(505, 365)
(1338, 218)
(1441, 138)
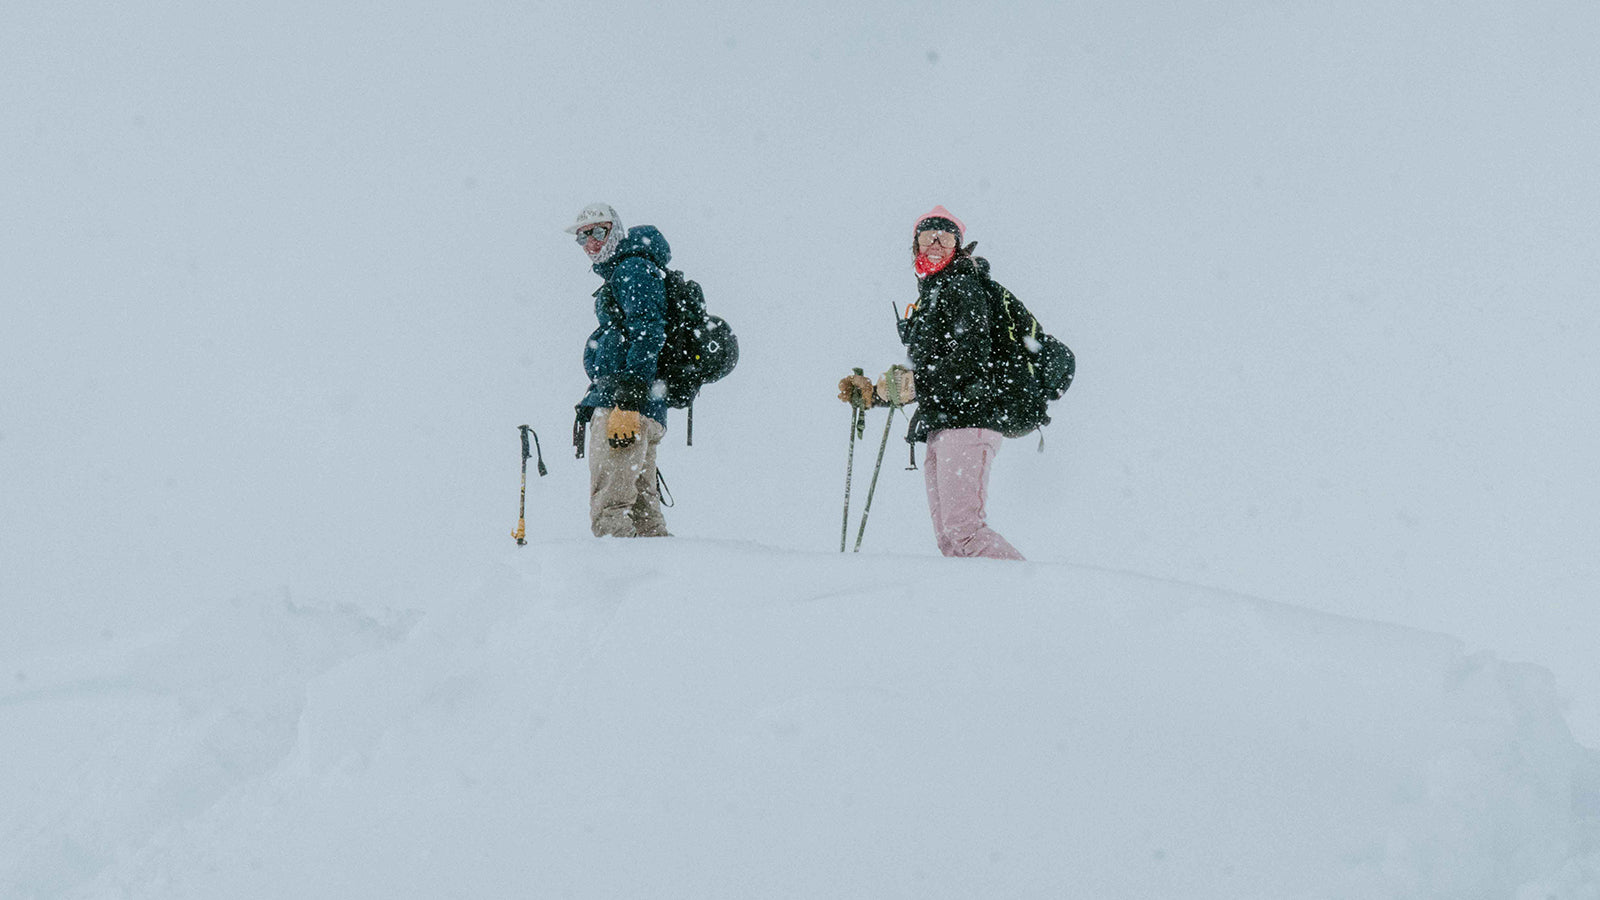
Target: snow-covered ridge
(710, 719)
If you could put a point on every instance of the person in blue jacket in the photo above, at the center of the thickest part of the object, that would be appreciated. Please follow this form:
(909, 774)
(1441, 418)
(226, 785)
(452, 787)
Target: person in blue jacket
(624, 411)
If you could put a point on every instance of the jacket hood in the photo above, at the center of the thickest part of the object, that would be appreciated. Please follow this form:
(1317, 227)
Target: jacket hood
(642, 240)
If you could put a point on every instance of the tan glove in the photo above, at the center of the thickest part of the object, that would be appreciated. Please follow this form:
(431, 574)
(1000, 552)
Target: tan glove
(896, 386)
(856, 389)
(622, 427)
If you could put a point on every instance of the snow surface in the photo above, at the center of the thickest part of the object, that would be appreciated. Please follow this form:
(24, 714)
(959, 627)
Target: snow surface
(279, 282)
(595, 720)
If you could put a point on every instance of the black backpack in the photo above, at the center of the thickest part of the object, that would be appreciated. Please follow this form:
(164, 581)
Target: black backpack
(1030, 367)
(700, 348)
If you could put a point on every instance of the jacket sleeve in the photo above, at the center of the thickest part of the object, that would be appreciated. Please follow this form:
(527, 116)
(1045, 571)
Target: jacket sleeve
(642, 294)
(591, 348)
(951, 347)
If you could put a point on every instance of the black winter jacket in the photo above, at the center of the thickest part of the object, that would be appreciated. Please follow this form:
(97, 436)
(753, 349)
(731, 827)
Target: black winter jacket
(947, 338)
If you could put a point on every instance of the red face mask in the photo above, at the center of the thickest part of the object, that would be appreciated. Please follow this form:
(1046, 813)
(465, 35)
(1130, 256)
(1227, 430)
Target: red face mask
(926, 266)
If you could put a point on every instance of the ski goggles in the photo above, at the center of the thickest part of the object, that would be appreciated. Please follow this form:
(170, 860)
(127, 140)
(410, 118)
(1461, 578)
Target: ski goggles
(927, 239)
(595, 232)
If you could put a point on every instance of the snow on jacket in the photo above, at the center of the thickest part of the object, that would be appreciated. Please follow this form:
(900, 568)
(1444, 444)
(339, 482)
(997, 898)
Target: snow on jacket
(621, 355)
(947, 338)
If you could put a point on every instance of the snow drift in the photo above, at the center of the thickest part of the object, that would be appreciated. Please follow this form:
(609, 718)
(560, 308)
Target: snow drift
(707, 719)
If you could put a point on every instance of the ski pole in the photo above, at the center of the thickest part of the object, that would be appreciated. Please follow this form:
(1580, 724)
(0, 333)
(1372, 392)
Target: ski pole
(858, 423)
(522, 504)
(873, 487)
(896, 400)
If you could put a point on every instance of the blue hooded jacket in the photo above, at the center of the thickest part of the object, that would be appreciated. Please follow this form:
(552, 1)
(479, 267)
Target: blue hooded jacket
(621, 355)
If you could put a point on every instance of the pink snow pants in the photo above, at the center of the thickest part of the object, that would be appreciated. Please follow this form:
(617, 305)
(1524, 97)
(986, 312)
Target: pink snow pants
(957, 472)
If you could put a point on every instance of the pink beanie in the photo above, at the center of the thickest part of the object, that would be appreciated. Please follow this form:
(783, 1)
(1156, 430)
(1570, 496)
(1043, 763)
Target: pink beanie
(941, 219)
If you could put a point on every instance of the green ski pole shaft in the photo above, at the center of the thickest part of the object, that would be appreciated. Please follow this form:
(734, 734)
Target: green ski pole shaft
(849, 468)
(858, 426)
(873, 487)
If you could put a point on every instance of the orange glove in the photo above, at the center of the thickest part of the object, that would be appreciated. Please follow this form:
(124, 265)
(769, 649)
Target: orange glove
(622, 427)
(856, 389)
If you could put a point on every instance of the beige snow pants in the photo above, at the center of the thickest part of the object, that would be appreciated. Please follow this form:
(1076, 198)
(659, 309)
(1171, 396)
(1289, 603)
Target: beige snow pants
(623, 499)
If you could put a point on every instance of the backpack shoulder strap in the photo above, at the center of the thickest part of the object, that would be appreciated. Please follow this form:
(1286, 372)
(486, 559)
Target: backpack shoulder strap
(1001, 307)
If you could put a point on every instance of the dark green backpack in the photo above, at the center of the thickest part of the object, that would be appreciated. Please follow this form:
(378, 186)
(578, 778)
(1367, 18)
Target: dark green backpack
(1029, 367)
(700, 348)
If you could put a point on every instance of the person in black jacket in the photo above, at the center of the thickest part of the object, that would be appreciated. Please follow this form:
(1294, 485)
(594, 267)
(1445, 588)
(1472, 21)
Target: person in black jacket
(948, 340)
